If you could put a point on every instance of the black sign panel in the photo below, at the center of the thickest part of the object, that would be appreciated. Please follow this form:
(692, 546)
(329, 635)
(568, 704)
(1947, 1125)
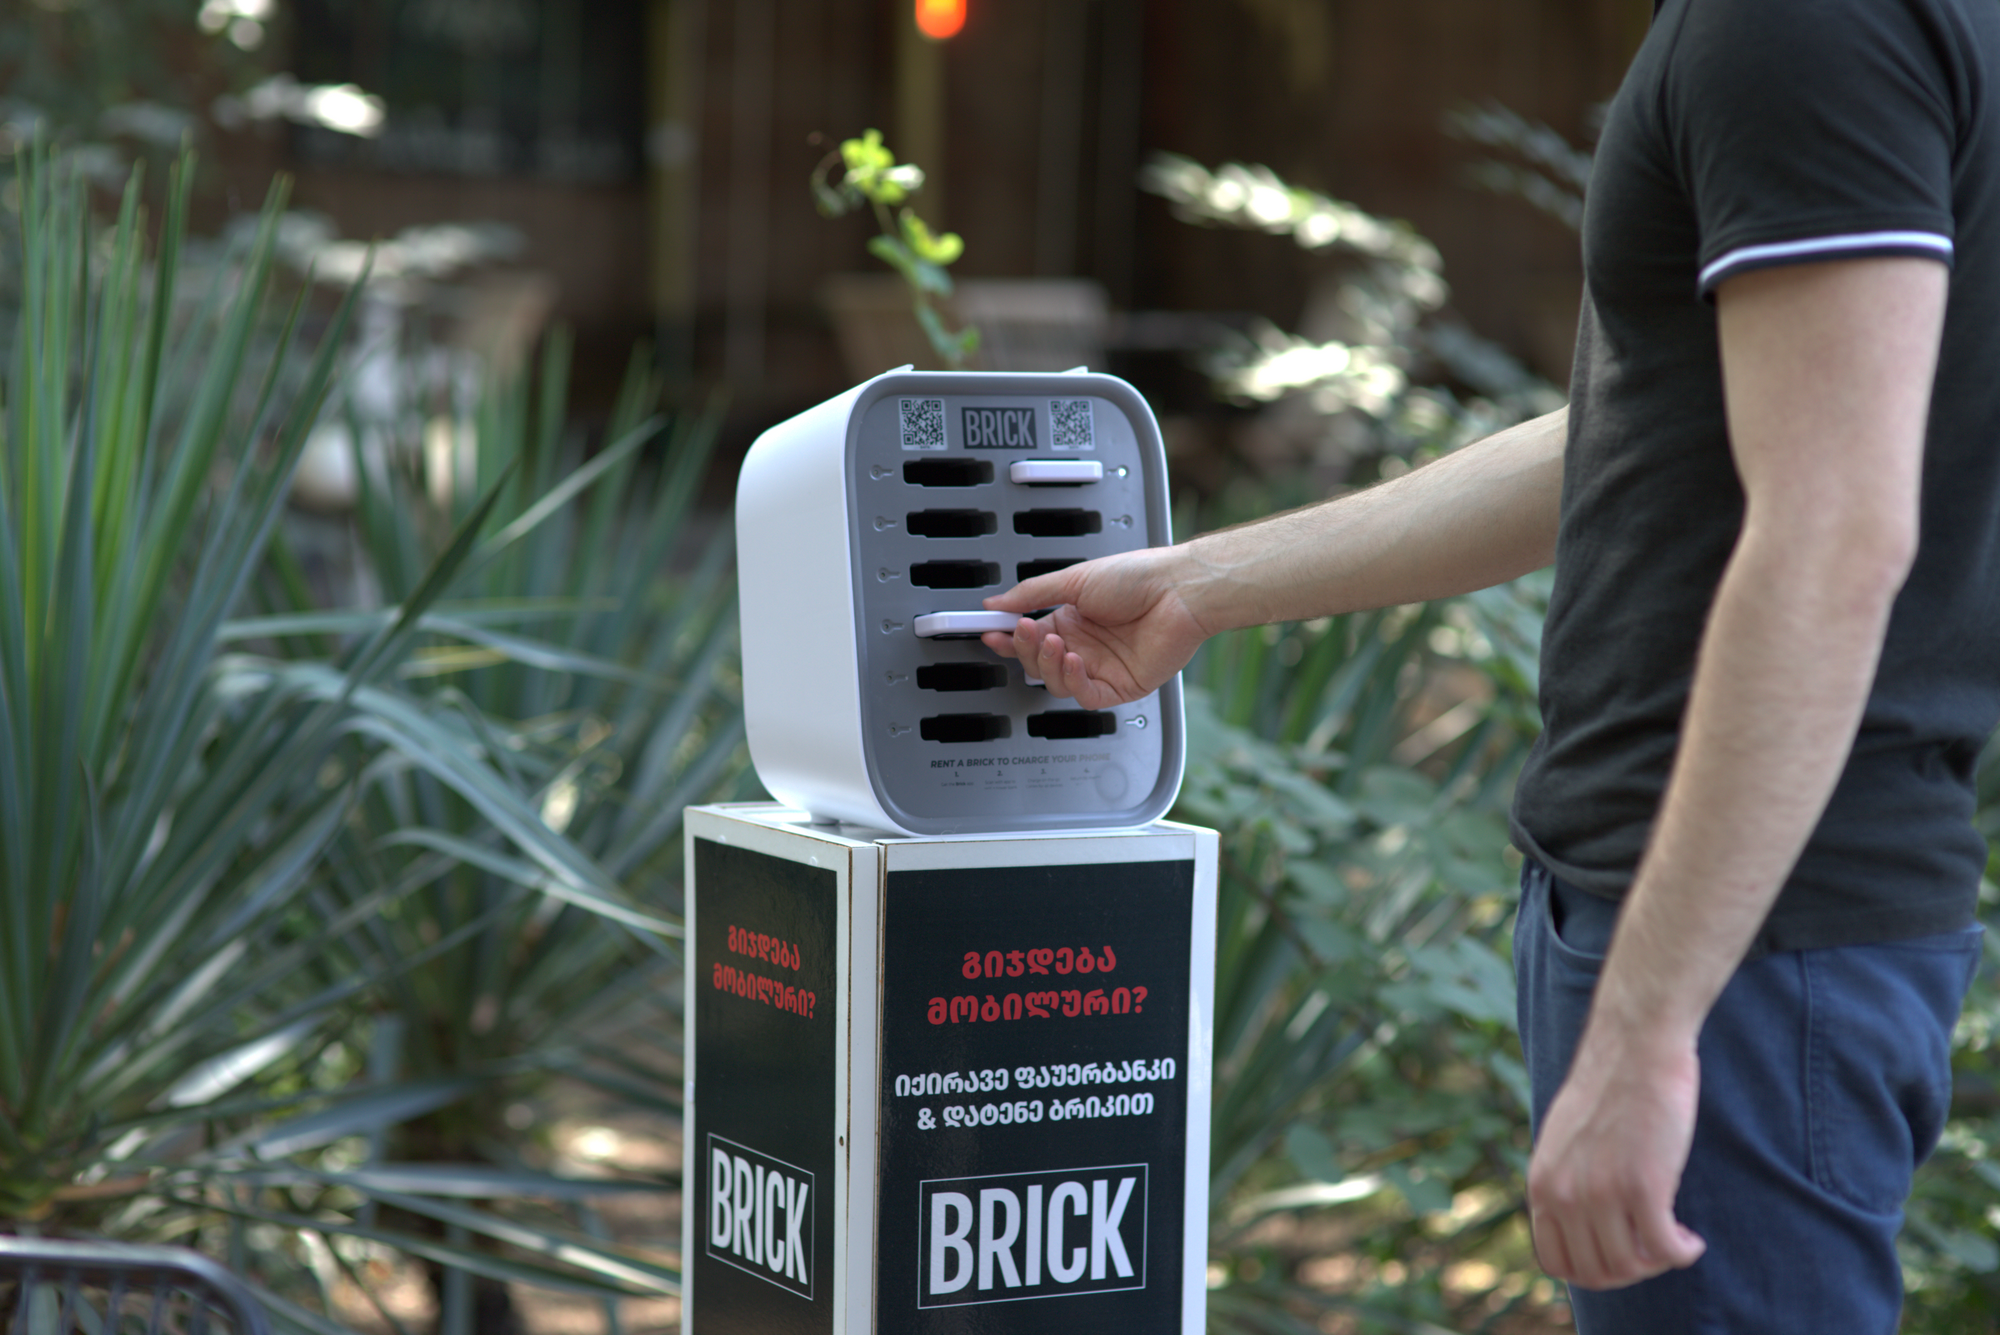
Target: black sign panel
(997, 428)
(761, 1180)
(1034, 1099)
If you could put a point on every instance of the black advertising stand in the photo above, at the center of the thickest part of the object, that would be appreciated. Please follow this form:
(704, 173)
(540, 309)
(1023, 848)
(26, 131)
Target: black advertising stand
(946, 1085)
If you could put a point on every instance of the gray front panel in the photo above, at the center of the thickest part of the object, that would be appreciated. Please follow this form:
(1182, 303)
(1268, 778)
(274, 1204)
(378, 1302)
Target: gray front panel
(1021, 779)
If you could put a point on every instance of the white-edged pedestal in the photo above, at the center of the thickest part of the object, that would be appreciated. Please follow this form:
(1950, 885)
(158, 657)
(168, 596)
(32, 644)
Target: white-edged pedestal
(941, 1085)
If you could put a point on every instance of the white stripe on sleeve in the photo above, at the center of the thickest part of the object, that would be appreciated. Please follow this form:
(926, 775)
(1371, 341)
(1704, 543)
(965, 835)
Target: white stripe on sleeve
(1819, 245)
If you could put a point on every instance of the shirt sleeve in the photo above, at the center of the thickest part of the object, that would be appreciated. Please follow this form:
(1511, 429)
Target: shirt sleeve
(1807, 130)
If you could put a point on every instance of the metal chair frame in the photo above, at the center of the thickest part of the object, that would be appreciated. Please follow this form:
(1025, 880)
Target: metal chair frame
(123, 1271)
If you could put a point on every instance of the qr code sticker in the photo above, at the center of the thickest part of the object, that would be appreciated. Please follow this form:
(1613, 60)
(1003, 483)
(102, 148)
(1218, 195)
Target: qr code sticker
(923, 423)
(1069, 425)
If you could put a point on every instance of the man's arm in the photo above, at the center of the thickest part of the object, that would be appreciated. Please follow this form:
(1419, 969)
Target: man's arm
(1127, 623)
(1827, 371)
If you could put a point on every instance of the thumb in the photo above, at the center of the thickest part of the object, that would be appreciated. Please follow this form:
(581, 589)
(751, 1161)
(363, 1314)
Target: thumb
(1672, 1243)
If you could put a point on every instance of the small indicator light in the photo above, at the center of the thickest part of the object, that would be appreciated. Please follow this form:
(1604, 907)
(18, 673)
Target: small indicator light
(940, 19)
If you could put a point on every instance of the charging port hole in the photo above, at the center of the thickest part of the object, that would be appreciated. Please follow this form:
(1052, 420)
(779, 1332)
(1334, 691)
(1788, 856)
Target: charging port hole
(952, 523)
(1057, 523)
(965, 728)
(1030, 569)
(948, 472)
(1068, 725)
(954, 574)
(961, 677)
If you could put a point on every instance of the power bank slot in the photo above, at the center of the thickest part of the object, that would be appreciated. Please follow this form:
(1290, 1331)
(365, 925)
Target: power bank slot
(1030, 569)
(954, 574)
(948, 472)
(952, 523)
(961, 676)
(1069, 725)
(965, 728)
(1057, 523)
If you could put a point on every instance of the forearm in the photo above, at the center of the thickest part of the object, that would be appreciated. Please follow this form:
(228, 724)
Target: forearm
(1784, 673)
(1477, 517)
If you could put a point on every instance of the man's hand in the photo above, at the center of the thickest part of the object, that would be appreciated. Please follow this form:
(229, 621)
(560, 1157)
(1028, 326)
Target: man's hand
(1125, 612)
(1602, 1180)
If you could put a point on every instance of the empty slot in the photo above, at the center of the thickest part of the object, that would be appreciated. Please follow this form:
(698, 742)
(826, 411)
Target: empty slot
(1070, 724)
(1030, 569)
(948, 472)
(954, 574)
(1056, 523)
(954, 523)
(961, 677)
(965, 728)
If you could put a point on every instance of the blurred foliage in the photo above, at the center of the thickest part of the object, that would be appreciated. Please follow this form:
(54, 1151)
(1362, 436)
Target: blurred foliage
(1951, 1263)
(290, 892)
(1531, 163)
(1413, 381)
(1370, 1135)
(1371, 1101)
(869, 176)
(123, 75)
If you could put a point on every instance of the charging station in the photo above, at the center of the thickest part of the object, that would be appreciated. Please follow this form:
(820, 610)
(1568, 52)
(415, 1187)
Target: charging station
(950, 1002)
(942, 1086)
(868, 531)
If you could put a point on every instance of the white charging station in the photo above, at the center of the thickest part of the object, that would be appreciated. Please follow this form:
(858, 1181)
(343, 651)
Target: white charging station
(946, 1086)
(868, 531)
(950, 1005)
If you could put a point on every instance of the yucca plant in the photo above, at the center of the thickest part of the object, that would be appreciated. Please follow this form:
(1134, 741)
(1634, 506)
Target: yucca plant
(180, 969)
(143, 850)
(603, 681)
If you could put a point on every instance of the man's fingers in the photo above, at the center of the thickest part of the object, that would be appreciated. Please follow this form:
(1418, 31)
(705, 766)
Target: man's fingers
(1043, 655)
(1586, 1258)
(1603, 1249)
(1057, 667)
(1551, 1249)
(1000, 642)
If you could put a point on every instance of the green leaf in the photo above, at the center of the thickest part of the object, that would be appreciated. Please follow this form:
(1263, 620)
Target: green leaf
(358, 1113)
(1311, 1153)
(926, 245)
(1425, 1191)
(866, 154)
(534, 877)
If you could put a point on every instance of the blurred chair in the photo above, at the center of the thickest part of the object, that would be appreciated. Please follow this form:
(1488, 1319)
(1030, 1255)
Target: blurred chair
(1025, 324)
(52, 1286)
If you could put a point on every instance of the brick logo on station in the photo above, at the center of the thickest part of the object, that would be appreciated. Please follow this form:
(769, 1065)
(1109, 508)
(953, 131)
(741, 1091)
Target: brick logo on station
(760, 1215)
(1007, 1237)
(997, 428)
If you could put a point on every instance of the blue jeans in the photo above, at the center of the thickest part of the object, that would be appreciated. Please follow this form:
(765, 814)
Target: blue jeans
(1825, 1081)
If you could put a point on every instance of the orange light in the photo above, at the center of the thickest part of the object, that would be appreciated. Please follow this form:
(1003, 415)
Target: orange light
(939, 19)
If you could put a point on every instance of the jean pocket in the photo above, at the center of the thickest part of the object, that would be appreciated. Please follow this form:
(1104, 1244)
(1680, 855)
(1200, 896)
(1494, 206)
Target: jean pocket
(1579, 925)
(1879, 1061)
